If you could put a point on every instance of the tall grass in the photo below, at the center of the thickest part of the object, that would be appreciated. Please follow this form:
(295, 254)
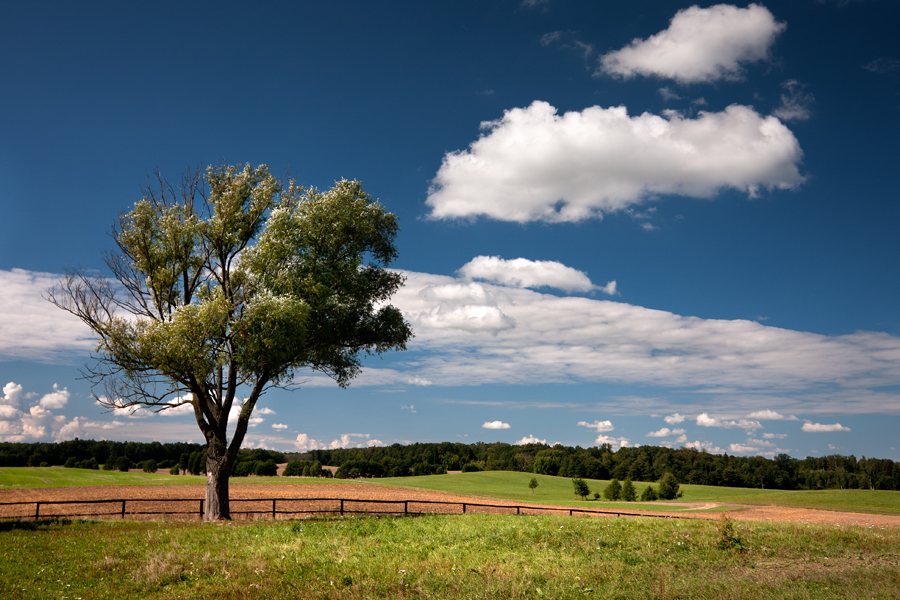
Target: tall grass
(466, 556)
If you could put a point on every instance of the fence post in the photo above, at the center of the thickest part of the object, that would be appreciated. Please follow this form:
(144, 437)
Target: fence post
(342, 507)
(405, 507)
(37, 510)
(464, 508)
(517, 510)
(123, 510)
(201, 509)
(570, 512)
(273, 509)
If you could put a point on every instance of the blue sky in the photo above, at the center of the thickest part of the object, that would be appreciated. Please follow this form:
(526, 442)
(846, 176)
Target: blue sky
(635, 223)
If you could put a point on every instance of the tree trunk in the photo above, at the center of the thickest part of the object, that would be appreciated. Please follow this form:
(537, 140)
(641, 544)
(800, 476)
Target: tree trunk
(218, 469)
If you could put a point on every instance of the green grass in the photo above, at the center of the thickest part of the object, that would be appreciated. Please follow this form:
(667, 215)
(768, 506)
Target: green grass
(46, 477)
(559, 490)
(438, 557)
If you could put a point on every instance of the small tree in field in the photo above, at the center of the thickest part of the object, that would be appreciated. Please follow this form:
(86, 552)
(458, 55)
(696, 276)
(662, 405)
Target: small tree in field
(668, 486)
(649, 494)
(532, 484)
(581, 488)
(629, 494)
(226, 287)
(613, 491)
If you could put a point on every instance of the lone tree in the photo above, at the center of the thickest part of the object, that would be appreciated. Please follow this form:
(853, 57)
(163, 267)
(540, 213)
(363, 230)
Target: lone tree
(225, 287)
(532, 484)
(581, 487)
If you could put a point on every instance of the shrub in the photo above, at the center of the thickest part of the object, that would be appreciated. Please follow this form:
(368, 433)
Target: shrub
(472, 467)
(266, 468)
(613, 490)
(149, 466)
(596, 495)
(668, 486)
(649, 494)
(243, 468)
(295, 468)
(123, 463)
(628, 492)
(70, 463)
(174, 470)
(728, 537)
(581, 487)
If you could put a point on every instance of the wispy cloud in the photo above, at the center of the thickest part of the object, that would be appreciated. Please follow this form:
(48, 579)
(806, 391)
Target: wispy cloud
(823, 428)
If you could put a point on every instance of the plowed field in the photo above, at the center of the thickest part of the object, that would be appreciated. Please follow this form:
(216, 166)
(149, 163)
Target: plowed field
(295, 501)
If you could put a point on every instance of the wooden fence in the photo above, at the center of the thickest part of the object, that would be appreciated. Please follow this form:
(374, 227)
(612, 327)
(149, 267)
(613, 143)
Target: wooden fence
(250, 508)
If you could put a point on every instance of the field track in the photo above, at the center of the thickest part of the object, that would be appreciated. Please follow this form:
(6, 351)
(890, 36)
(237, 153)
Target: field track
(355, 491)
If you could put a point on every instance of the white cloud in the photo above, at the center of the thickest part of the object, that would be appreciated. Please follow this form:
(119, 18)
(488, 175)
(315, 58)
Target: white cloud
(418, 381)
(304, 443)
(178, 409)
(700, 45)
(755, 446)
(668, 94)
(495, 425)
(279, 426)
(774, 436)
(665, 432)
(57, 399)
(615, 442)
(411, 408)
(610, 288)
(524, 273)
(598, 426)
(264, 410)
(12, 392)
(705, 420)
(741, 365)
(674, 419)
(8, 412)
(535, 165)
(373, 442)
(467, 307)
(529, 439)
(707, 446)
(33, 329)
(346, 440)
(823, 428)
(770, 415)
(795, 103)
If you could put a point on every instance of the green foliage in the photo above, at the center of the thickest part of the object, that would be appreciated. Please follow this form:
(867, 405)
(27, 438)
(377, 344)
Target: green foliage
(174, 470)
(629, 494)
(149, 466)
(123, 463)
(70, 462)
(728, 538)
(265, 468)
(668, 487)
(649, 494)
(613, 491)
(533, 484)
(581, 487)
(472, 467)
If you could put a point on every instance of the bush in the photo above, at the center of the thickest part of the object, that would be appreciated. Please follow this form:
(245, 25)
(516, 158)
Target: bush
(123, 463)
(266, 468)
(243, 468)
(149, 466)
(649, 494)
(295, 468)
(90, 463)
(668, 487)
(70, 463)
(613, 491)
(581, 487)
(174, 470)
(472, 468)
(110, 464)
(629, 494)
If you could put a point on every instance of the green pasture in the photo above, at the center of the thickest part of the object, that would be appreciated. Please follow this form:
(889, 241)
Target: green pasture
(558, 490)
(448, 557)
(46, 477)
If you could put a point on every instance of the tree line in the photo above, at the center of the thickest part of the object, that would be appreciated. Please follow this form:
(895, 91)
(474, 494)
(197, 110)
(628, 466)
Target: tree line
(646, 463)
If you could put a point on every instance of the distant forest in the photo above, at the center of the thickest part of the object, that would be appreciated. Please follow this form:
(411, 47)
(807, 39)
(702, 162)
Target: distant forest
(646, 463)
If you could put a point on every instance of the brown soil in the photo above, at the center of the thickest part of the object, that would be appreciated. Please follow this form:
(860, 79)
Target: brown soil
(185, 499)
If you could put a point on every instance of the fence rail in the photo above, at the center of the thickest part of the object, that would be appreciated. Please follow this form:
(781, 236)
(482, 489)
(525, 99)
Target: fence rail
(192, 508)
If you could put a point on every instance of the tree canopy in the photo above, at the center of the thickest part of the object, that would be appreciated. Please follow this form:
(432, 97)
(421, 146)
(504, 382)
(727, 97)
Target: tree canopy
(229, 284)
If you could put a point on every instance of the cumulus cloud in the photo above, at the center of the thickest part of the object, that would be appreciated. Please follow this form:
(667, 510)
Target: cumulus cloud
(529, 439)
(535, 165)
(823, 428)
(12, 392)
(704, 446)
(495, 425)
(700, 45)
(57, 399)
(795, 103)
(615, 442)
(598, 426)
(674, 419)
(467, 307)
(705, 420)
(524, 273)
(279, 426)
(770, 415)
(303, 443)
(665, 432)
(347, 439)
(774, 436)
(754, 446)
(33, 329)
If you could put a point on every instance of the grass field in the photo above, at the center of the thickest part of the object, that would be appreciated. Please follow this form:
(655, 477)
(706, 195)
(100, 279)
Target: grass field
(558, 490)
(438, 557)
(497, 484)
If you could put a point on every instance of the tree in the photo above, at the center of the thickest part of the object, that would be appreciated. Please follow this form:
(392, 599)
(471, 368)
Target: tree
(613, 491)
(532, 484)
(629, 494)
(227, 286)
(581, 487)
(668, 486)
(649, 494)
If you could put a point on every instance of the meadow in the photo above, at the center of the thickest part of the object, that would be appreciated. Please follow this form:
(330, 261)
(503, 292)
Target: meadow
(466, 556)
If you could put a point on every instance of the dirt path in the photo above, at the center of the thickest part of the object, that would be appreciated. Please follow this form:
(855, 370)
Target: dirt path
(250, 491)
